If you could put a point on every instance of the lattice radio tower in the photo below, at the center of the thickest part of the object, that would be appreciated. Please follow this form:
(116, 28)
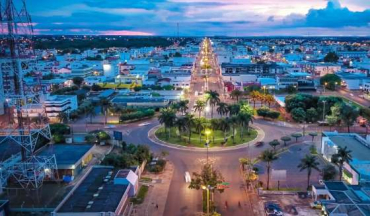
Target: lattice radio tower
(16, 48)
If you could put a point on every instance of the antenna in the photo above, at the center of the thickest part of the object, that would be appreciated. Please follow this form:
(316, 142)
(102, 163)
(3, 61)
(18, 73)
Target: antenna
(178, 30)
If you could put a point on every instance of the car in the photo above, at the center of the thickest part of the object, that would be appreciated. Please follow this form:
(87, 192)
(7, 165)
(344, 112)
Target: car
(258, 144)
(316, 205)
(321, 182)
(273, 209)
(291, 209)
(144, 124)
(187, 177)
(351, 94)
(109, 126)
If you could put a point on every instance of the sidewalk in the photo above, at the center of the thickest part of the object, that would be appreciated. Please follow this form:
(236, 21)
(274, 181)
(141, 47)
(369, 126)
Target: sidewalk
(157, 194)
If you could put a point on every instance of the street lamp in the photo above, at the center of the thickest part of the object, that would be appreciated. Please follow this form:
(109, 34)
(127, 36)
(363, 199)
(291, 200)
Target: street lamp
(207, 189)
(325, 84)
(207, 132)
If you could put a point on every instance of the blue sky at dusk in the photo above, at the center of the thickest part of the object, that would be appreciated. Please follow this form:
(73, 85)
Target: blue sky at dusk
(201, 17)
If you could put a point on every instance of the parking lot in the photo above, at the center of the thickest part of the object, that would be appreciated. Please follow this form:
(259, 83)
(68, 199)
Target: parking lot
(291, 204)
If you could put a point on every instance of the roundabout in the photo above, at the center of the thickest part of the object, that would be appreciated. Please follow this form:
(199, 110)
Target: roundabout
(197, 143)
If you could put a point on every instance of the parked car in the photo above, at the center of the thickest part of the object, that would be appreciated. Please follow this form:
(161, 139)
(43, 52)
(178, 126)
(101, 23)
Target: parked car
(291, 209)
(316, 205)
(258, 144)
(273, 209)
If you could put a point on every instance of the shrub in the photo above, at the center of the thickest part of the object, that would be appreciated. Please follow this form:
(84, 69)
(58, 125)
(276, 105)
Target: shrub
(137, 115)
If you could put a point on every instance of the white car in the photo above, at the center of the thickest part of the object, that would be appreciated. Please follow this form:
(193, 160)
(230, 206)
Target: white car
(144, 124)
(187, 177)
(109, 126)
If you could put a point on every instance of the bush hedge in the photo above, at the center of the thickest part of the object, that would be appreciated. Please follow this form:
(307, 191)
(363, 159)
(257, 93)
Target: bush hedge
(137, 115)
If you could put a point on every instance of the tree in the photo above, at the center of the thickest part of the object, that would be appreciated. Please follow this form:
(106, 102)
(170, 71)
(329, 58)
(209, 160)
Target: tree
(62, 117)
(308, 163)
(254, 96)
(348, 115)
(342, 156)
(332, 120)
(224, 126)
(274, 143)
(233, 109)
(180, 123)
(269, 99)
(78, 81)
(105, 103)
(330, 81)
(234, 122)
(268, 156)
(222, 109)
(167, 117)
(328, 172)
(209, 178)
(213, 98)
(214, 123)
(90, 111)
(142, 153)
(331, 57)
(298, 114)
(311, 115)
(244, 120)
(199, 126)
(285, 139)
(183, 106)
(296, 136)
(312, 134)
(236, 94)
(199, 106)
(189, 122)
(263, 112)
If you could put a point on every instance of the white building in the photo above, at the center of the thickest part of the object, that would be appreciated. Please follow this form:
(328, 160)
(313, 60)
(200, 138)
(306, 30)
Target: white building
(60, 103)
(322, 69)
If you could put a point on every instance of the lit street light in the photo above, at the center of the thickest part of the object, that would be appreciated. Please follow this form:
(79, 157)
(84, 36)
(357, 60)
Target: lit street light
(207, 132)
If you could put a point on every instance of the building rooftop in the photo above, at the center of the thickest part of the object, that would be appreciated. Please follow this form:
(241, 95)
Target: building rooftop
(359, 150)
(67, 155)
(94, 194)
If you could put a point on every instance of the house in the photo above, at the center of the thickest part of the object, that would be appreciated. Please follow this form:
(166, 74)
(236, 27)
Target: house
(338, 198)
(354, 81)
(321, 69)
(357, 170)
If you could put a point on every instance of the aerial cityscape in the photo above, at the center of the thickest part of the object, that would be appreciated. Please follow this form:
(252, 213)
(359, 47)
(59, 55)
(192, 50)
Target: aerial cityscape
(185, 108)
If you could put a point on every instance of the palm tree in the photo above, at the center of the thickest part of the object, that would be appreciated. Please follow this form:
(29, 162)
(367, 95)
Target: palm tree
(167, 117)
(234, 109)
(180, 123)
(189, 122)
(213, 98)
(309, 162)
(269, 99)
(199, 106)
(199, 126)
(224, 125)
(214, 126)
(236, 94)
(105, 103)
(268, 156)
(342, 156)
(62, 117)
(255, 95)
(222, 109)
(234, 122)
(183, 106)
(244, 120)
(90, 111)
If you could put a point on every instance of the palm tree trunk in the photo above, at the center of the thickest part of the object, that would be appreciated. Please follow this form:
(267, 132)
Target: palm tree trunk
(308, 179)
(234, 134)
(340, 172)
(224, 135)
(189, 134)
(254, 104)
(348, 128)
(268, 177)
(165, 131)
(212, 111)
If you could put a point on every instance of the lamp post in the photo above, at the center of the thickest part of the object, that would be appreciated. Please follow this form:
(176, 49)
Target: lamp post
(207, 189)
(325, 84)
(207, 132)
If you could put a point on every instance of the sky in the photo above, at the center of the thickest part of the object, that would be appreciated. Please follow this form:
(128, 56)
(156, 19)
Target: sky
(202, 17)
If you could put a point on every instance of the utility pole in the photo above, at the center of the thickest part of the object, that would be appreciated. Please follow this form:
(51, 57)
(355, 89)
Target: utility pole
(323, 111)
(178, 30)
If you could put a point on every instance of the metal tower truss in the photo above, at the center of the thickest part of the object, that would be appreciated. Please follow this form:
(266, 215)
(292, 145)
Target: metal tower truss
(27, 120)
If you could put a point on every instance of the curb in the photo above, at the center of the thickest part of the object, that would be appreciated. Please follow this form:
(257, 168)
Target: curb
(152, 137)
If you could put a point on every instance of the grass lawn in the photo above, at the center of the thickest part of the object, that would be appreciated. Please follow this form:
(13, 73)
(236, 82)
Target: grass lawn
(140, 195)
(199, 141)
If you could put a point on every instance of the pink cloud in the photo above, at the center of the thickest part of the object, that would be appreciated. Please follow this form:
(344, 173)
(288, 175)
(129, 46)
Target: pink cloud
(126, 33)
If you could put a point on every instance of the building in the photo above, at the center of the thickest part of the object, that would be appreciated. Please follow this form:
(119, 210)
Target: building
(354, 81)
(321, 69)
(128, 177)
(59, 103)
(71, 158)
(286, 81)
(80, 70)
(339, 199)
(257, 69)
(356, 171)
(95, 195)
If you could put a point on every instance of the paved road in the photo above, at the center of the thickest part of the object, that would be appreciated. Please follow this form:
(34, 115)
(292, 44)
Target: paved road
(183, 201)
